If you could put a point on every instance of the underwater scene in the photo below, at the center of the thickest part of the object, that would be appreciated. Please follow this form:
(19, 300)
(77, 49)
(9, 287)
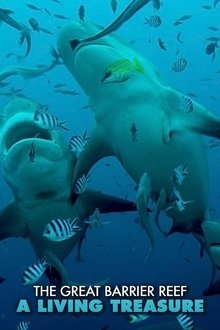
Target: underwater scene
(110, 176)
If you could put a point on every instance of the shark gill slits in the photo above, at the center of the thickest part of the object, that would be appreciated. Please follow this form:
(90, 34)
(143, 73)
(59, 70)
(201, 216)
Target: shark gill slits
(74, 43)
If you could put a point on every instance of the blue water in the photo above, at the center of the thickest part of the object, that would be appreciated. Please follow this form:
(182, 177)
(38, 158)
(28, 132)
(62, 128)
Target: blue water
(116, 251)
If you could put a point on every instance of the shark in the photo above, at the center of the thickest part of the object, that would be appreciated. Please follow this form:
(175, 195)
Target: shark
(30, 73)
(166, 136)
(41, 186)
(5, 16)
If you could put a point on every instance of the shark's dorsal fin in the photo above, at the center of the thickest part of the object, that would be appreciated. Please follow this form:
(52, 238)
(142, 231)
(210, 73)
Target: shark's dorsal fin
(11, 222)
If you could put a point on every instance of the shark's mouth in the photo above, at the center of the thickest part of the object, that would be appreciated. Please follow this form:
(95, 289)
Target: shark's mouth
(24, 131)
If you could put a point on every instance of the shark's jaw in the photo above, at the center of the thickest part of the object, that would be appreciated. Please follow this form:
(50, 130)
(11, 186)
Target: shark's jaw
(40, 173)
(24, 131)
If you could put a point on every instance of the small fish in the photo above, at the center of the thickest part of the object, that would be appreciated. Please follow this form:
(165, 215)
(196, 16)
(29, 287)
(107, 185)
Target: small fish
(177, 202)
(61, 229)
(81, 185)
(133, 131)
(213, 28)
(47, 11)
(9, 54)
(121, 71)
(215, 3)
(2, 279)
(61, 16)
(185, 321)
(47, 120)
(34, 272)
(33, 7)
(153, 21)
(207, 7)
(161, 44)
(178, 38)
(23, 325)
(34, 24)
(77, 143)
(179, 65)
(114, 5)
(46, 31)
(184, 17)
(156, 4)
(81, 13)
(177, 23)
(206, 79)
(95, 220)
(211, 49)
(191, 94)
(32, 152)
(59, 85)
(67, 92)
(213, 39)
(179, 174)
(186, 104)
(181, 20)
(136, 318)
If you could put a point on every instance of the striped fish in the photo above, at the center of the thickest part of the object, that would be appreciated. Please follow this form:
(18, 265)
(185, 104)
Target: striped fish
(177, 202)
(185, 321)
(122, 70)
(179, 65)
(153, 21)
(34, 272)
(186, 104)
(58, 230)
(95, 220)
(180, 173)
(81, 185)
(48, 120)
(24, 325)
(77, 143)
(136, 318)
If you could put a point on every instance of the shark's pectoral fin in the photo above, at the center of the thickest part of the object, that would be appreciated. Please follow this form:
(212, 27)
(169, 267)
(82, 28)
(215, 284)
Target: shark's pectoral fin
(91, 200)
(95, 149)
(211, 232)
(196, 118)
(11, 222)
(143, 196)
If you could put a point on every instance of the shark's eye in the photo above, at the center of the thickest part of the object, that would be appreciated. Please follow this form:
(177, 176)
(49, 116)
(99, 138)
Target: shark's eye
(74, 43)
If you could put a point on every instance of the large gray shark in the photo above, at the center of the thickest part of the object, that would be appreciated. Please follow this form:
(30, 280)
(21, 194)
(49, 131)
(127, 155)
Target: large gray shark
(25, 33)
(41, 186)
(167, 136)
(30, 73)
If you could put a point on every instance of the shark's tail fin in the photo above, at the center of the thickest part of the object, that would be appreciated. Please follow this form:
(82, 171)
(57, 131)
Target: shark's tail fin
(211, 232)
